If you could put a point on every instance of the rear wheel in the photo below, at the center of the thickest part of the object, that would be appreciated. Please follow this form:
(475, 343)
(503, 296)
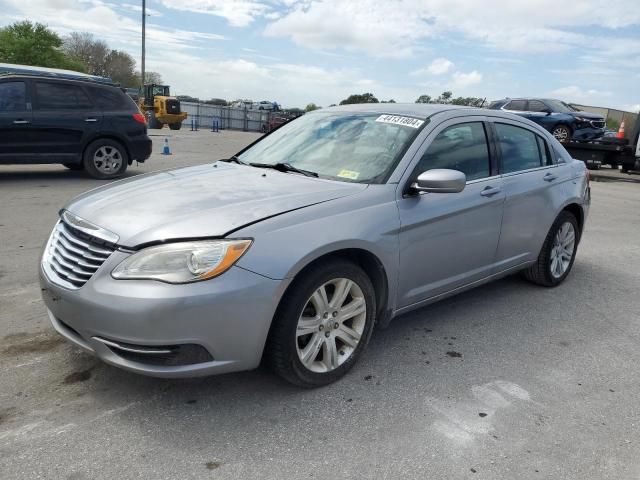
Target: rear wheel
(175, 126)
(558, 252)
(562, 133)
(105, 159)
(323, 325)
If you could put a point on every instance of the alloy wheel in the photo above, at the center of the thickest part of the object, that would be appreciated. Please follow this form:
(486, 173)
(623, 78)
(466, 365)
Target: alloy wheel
(561, 134)
(563, 249)
(331, 325)
(107, 159)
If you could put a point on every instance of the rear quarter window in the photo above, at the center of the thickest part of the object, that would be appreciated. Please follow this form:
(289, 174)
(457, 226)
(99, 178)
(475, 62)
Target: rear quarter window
(111, 98)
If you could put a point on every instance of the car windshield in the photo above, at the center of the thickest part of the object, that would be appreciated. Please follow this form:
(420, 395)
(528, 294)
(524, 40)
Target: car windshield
(560, 107)
(352, 147)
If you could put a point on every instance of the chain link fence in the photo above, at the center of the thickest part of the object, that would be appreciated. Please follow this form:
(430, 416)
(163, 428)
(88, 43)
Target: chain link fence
(203, 116)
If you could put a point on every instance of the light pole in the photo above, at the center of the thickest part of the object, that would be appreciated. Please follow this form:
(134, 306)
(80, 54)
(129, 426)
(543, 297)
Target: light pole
(144, 21)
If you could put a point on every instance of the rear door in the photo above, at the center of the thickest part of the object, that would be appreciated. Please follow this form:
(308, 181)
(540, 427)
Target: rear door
(64, 118)
(15, 121)
(534, 184)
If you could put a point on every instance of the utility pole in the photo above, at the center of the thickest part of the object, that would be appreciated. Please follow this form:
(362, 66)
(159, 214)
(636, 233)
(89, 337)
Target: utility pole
(144, 22)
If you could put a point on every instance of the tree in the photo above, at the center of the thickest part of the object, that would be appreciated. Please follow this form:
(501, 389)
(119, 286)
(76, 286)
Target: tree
(444, 97)
(311, 107)
(359, 98)
(150, 77)
(391, 100)
(34, 44)
(216, 101)
(120, 66)
(89, 52)
(423, 99)
(187, 98)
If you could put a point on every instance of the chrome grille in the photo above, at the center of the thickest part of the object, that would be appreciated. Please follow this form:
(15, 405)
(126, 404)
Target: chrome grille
(74, 256)
(597, 123)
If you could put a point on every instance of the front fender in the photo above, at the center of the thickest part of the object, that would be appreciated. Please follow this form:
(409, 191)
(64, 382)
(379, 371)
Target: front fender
(285, 244)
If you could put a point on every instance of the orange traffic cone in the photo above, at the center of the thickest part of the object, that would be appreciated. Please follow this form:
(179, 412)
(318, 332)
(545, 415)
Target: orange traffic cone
(621, 131)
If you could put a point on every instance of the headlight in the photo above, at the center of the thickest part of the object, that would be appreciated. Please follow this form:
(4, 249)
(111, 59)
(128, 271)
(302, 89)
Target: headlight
(581, 119)
(182, 262)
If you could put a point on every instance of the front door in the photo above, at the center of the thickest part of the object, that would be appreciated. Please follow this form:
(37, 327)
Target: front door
(448, 240)
(15, 122)
(63, 119)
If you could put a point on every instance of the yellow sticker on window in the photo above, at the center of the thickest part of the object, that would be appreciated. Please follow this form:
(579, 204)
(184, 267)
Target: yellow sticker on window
(349, 174)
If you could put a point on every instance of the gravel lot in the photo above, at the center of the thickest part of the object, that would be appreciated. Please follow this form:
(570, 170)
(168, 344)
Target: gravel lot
(545, 385)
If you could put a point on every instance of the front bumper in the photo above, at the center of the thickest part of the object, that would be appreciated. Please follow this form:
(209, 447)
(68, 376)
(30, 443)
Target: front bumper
(587, 133)
(228, 316)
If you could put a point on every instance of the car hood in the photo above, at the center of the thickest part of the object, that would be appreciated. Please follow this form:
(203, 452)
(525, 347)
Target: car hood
(197, 202)
(589, 115)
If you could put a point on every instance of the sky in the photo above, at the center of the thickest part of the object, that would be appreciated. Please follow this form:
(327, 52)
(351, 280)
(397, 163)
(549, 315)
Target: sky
(300, 51)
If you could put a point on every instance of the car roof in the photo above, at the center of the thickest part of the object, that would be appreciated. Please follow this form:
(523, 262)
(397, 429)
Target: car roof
(8, 69)
(420, 110)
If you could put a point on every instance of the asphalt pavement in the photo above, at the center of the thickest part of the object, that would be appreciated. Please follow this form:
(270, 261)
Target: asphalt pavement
(508, 381)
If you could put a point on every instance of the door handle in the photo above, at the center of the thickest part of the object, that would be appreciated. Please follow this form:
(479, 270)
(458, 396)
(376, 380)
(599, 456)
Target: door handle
(90, 119)
(549, 177)
(489, 191)
(21, 122)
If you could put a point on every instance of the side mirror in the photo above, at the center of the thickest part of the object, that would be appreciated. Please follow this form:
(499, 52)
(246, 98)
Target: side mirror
(547, 111)
(440, 180)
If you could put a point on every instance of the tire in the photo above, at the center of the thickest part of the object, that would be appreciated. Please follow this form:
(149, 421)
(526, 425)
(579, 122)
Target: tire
(175, 126)
(74, 166)
(624, 169)
(562, 133)
(286, 346)
(154, 123)
(541, 272)
(105, 159)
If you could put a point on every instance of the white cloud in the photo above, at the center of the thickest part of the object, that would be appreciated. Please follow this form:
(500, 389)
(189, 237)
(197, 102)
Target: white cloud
(381, 29)
(238, 13)
(439, 66)
(395, 28)
(462, 80)
(574, 92)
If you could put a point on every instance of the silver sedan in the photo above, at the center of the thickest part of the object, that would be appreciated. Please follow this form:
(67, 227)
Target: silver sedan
(295, 249)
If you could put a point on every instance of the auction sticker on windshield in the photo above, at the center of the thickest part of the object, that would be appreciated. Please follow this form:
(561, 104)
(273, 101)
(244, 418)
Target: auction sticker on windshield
(400, 120)
(349, 174)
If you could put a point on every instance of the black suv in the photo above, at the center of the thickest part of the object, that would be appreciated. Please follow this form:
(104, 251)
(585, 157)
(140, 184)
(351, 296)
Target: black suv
(81, 123)
(561, 119)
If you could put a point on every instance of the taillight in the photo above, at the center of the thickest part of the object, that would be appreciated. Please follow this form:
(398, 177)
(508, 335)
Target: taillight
(140, 118)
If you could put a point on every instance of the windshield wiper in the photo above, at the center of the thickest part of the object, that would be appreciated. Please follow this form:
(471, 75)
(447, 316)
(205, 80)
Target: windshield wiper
(233, 159)
(285, 167)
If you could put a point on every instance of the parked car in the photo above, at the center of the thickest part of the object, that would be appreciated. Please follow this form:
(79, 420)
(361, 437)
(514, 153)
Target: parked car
(273, 123)
(297, 247)
(564, 121)
(70, 119)
(265, 105)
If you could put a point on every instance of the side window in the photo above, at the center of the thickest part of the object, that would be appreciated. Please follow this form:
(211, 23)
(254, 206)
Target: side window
(544, 151)
(519, 148)
(61, 96)
(537, 106)
(517, 105)
(460, 147)
(109, 98)
(13, 97)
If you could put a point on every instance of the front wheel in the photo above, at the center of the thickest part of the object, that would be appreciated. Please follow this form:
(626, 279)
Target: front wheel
(175, 126)
(322, 325)
(558, 252)
(562, 133)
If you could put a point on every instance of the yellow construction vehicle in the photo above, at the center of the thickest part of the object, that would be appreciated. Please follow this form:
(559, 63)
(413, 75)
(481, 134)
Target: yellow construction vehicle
(160, 107)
